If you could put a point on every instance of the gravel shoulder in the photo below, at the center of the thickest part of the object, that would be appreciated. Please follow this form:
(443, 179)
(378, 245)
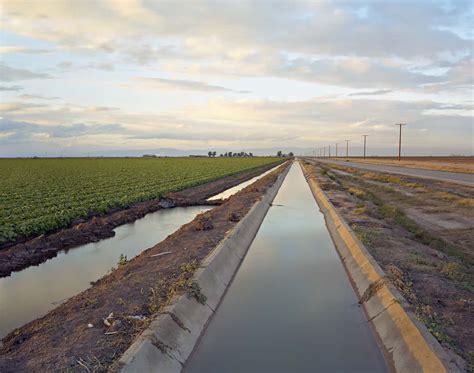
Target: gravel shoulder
(421, 232)
(419, 172)
(448, 164)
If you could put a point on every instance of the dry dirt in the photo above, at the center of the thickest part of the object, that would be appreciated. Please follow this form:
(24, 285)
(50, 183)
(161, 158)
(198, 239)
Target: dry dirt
(451, 164)
(421, 232)
(74, 337)
(39, 249)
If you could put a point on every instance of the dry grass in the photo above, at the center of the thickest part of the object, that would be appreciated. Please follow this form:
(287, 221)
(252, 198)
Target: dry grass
(466, 202)
(357, 192)
(463, 165)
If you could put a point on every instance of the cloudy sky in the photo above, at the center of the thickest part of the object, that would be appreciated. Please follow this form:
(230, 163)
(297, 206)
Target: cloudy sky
(112, 76)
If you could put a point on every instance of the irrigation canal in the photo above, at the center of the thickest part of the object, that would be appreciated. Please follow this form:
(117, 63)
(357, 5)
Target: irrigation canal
(290, 307)
(32, 292)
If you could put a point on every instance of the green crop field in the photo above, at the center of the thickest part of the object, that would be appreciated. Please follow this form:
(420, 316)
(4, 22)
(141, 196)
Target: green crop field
(39, 195)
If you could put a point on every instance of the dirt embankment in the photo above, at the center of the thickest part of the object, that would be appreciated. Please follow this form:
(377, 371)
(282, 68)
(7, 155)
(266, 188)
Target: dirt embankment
(421, 232)
(91, 330)
(42, 248)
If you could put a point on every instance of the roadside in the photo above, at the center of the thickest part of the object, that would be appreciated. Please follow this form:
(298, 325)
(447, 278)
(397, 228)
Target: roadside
(44, 247)
(421, 233)
(447, 164)
(95, 327)
(452, 177)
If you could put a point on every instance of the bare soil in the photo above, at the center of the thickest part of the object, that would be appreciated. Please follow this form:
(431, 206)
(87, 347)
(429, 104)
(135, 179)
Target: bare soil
(451, 164)
(39, 249)
(421, 232)
(91, 330)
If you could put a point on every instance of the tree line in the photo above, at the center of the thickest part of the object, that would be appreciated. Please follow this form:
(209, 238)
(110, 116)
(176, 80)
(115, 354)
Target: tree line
(244, 154)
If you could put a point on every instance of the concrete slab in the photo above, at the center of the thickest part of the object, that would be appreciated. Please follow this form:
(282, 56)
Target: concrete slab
(144, 356)
(211, 286)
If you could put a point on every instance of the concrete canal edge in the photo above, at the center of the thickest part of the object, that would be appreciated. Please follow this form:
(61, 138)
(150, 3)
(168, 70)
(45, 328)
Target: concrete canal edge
(406, 343)
(169, 340)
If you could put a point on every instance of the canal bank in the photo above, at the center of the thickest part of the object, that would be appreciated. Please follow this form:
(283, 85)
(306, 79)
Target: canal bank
(405, 341)
(290, 306)
(94, 328)
(32, 292)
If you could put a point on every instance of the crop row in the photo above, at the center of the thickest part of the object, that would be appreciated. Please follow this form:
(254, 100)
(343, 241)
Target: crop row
(40, 195)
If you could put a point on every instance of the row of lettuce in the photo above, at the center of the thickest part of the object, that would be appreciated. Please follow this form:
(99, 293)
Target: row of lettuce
(41, 195)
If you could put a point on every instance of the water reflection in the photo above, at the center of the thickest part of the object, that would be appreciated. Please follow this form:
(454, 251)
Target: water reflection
(290, 307)
(32, 292)
(231, 191)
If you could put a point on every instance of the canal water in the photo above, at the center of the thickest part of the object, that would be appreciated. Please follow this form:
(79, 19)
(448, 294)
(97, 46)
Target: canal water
(32, 292)
(231, 191)
(290, 307)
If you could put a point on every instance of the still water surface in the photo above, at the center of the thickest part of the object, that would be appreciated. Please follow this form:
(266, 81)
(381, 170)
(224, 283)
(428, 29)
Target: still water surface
(231, 191)
(32, 292)
(291, 307)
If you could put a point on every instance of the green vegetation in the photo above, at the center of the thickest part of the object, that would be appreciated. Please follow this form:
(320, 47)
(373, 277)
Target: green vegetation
(40, 195)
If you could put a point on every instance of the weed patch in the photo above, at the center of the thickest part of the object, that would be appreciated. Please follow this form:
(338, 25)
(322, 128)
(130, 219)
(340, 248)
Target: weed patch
(357, 192)
(453, 271)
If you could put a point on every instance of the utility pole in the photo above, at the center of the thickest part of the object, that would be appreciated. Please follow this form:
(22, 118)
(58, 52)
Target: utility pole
(324, 151)
(329, 151)
(400, 140)
(347, 148)
(365, 141)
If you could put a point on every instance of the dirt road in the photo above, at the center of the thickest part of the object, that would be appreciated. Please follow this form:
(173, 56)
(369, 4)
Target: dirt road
(454, 177)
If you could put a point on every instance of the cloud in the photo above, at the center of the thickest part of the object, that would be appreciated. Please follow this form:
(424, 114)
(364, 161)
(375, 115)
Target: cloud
(324, 28)
(244, 124)
(37, 97)
(372, 93)
(11, 74)
(18, 130)
(179, 84)
(13, 88)
(7, 107)
(22, 50)
(314, 71)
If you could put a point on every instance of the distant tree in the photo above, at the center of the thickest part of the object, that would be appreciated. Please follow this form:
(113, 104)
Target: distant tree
(279, 153)
(234, 155)
(214, 154)
(221, 155)
(209, 154)
(250, 155)
(290, 154)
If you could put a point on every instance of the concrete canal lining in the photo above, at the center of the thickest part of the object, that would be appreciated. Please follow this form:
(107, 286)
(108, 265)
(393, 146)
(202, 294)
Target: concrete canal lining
(406, 342)
(170, 339)
(290, 307)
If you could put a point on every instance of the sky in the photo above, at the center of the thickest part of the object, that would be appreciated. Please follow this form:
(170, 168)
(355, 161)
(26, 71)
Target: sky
(118, 77)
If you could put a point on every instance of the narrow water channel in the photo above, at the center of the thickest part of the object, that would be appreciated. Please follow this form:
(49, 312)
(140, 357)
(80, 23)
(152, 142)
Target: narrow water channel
(231, 191)
(32, 292)
(290, 307)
